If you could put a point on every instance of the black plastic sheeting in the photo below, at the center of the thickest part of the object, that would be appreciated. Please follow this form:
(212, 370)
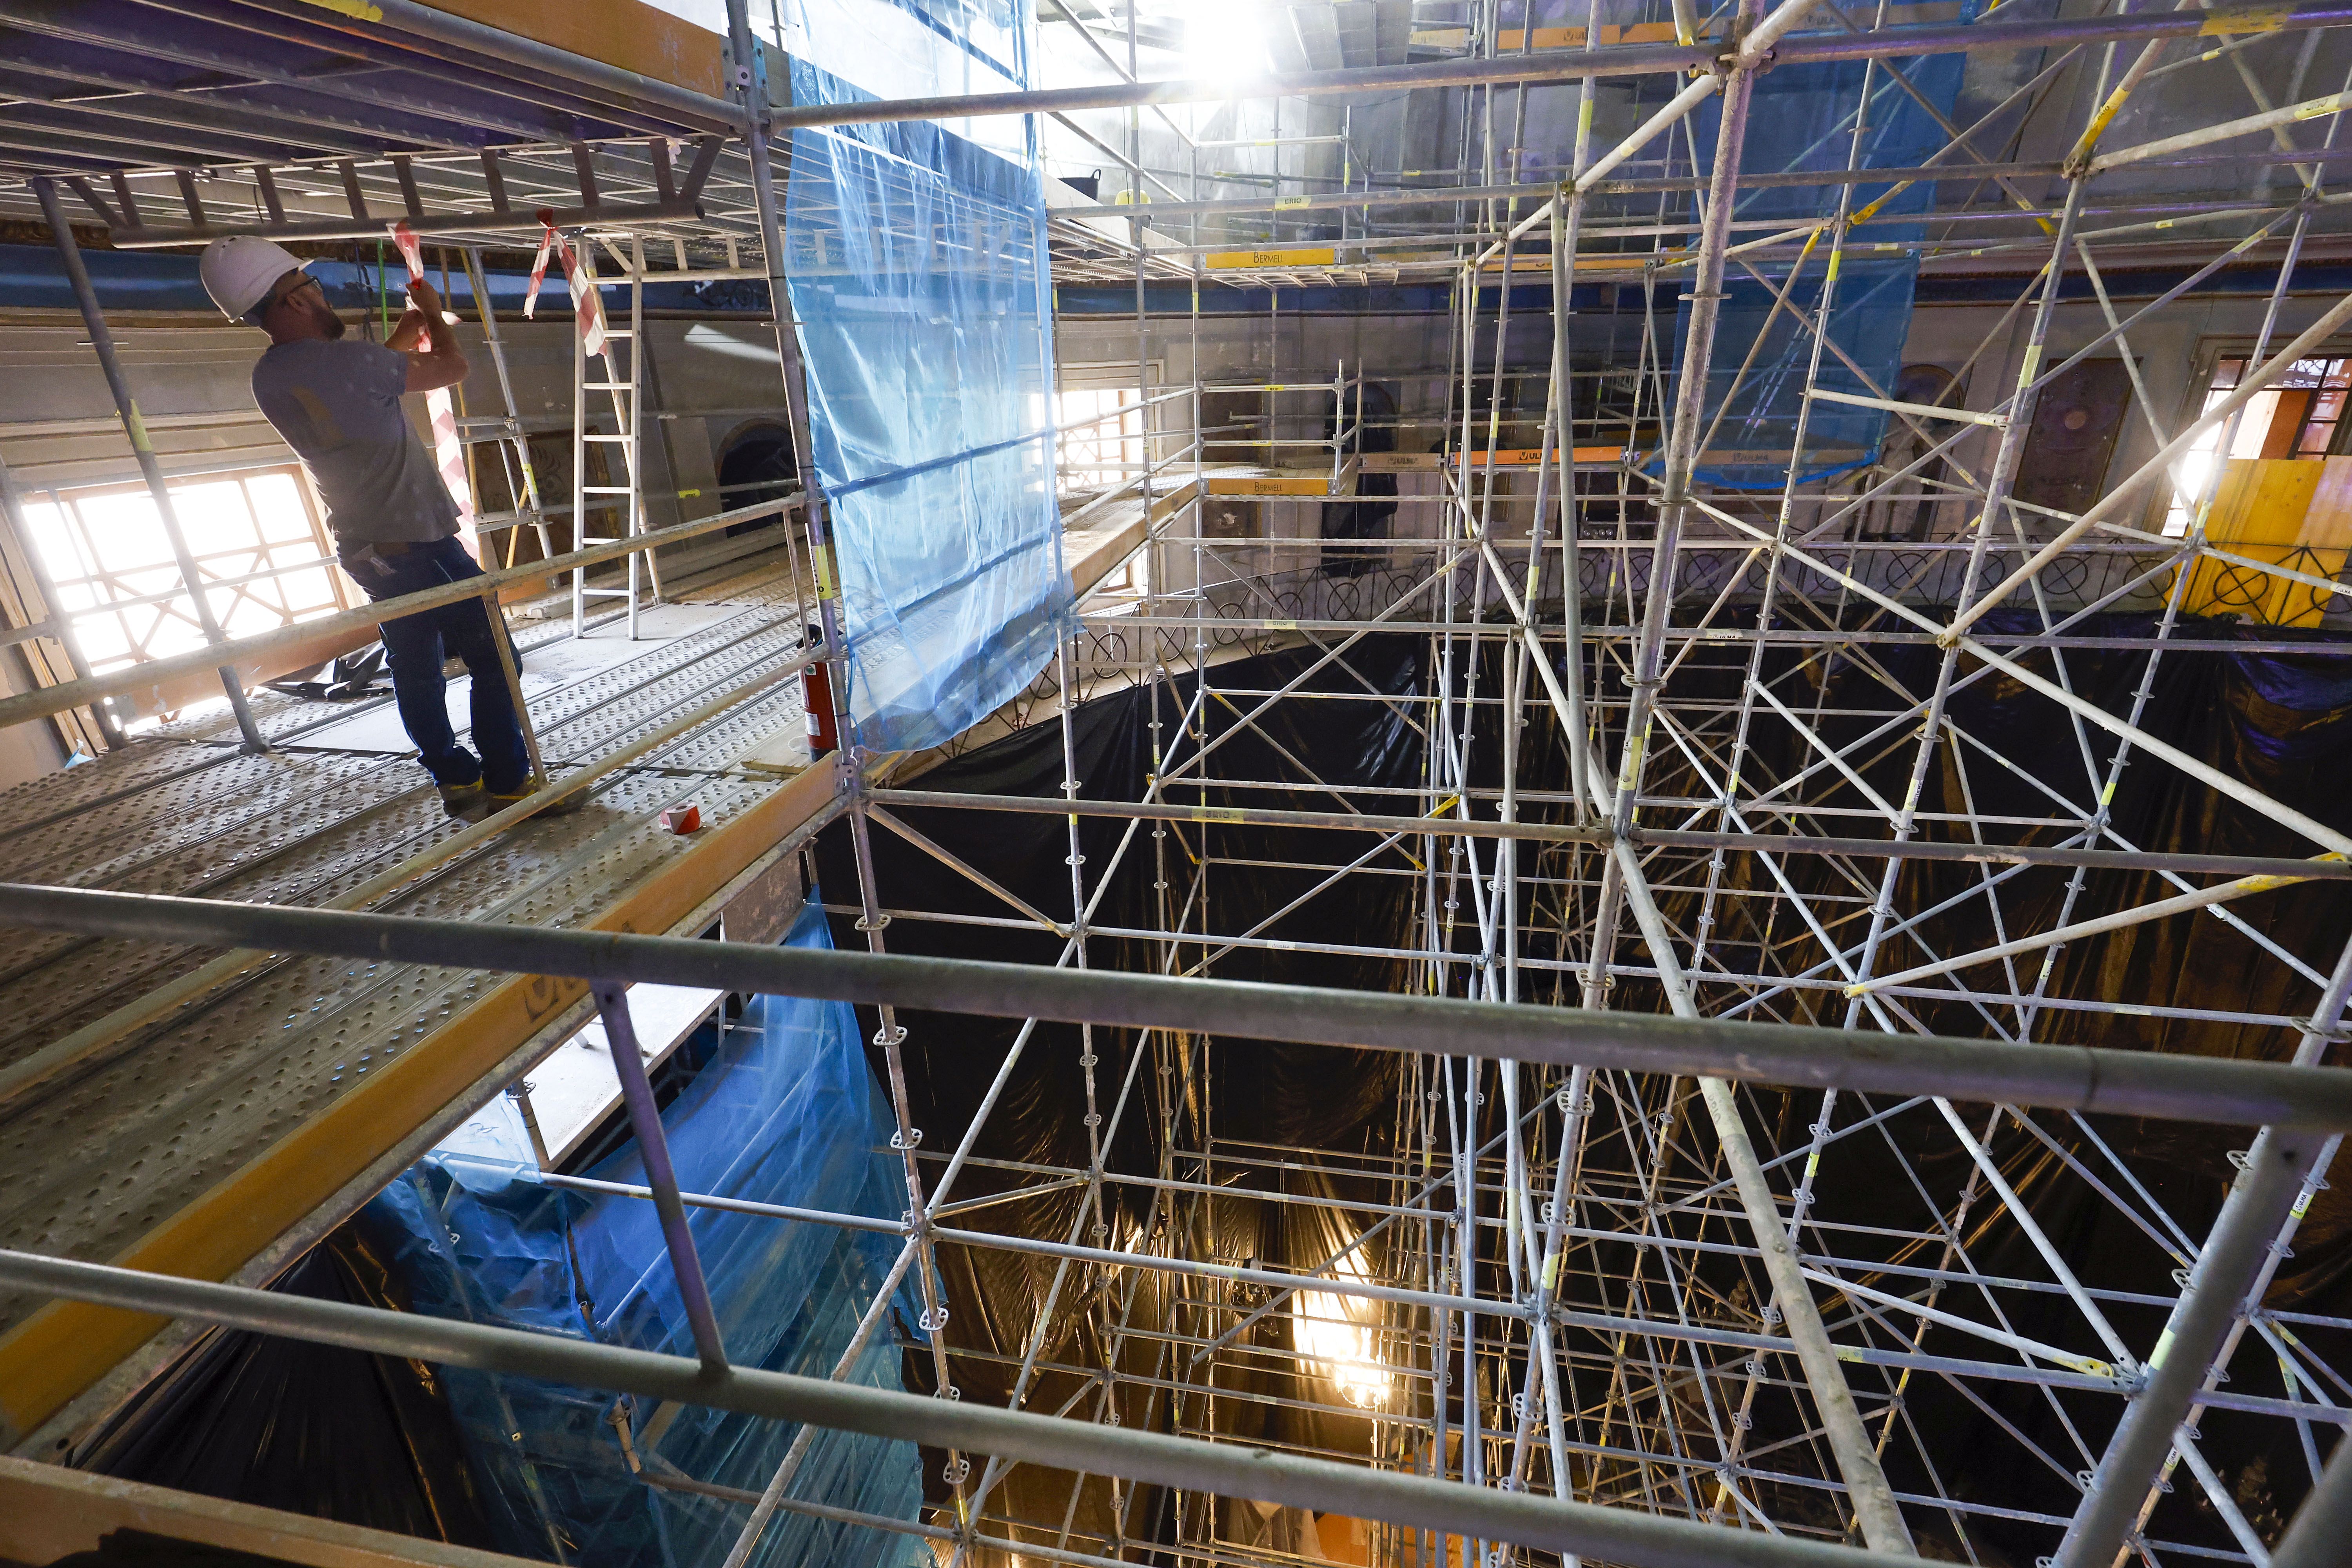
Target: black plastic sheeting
(2277, 721)
(313, 1429)
(360, 1439)
(1262, 1092)
(142, 1549)
(952, 1059)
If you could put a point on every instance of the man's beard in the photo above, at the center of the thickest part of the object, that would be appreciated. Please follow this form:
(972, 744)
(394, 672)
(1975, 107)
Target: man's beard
(331, 324)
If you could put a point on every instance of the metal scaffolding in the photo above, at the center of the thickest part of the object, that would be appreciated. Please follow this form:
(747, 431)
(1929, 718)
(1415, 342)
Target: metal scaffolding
(1609, 1283)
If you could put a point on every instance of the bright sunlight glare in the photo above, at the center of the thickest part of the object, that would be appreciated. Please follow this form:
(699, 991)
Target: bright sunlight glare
(1224, 39)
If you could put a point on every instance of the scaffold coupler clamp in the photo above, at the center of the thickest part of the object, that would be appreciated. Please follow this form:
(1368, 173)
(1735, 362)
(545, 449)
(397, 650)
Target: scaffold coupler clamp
(1735, 44)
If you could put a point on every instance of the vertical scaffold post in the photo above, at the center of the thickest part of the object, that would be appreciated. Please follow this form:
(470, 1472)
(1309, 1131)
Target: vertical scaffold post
(134, 427)
(652, 1146)
(1879, 1517)
(750, 82)
(52, 612)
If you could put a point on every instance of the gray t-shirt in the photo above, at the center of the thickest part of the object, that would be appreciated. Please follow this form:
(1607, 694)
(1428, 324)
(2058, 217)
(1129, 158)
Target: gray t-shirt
(338, 406)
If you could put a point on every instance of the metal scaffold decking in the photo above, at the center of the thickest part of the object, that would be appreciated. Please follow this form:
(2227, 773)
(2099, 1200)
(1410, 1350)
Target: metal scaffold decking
(133, 1123)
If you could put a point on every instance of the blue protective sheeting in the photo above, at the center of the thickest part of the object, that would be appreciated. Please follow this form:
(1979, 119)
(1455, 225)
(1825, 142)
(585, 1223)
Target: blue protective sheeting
(1870, 315)
(1801, 118)
(786, 1112)
(32, 278)
(919, 276)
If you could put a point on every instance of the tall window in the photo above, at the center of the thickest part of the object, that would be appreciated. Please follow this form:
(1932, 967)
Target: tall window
(261, 552)
(1103, 447)
(2323, 406)
(1102, 435)
(2296, 416)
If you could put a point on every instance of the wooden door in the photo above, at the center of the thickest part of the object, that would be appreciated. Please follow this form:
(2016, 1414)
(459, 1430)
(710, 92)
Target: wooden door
(2073, 437)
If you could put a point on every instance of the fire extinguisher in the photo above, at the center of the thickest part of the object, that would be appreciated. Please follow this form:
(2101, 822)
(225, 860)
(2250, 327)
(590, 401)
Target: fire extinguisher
(816, 694)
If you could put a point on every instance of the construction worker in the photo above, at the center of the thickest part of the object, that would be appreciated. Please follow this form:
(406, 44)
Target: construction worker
(337, 403)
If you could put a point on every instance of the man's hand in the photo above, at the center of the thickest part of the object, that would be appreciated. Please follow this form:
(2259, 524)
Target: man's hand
(408, 333)
(443, 364)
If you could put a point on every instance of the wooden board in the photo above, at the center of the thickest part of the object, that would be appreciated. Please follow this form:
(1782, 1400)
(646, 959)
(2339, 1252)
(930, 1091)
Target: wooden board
(2294, 514)
(2328, 522)
(2265, 598)
(1270, 485)
(2076, 420)
(2263, 500)
(1528, 456)
(628, 34)
(1263, 481)
(1297, 256)
(47, 1514)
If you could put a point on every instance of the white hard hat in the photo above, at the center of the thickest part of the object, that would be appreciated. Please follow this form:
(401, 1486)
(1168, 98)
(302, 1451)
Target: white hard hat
(239, 272)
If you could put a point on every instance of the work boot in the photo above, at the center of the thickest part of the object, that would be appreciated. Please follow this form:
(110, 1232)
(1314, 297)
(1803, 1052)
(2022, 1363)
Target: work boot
(499, 799)
(463, 801)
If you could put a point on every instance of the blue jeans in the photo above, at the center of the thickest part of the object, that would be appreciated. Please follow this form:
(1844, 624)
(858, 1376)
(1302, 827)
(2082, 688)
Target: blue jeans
(417, 645)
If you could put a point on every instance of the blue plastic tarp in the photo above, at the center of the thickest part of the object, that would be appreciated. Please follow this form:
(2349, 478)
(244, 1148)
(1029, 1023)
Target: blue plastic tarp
(32, 277)
(1802, 119)
(918, 270)
(787, 1112)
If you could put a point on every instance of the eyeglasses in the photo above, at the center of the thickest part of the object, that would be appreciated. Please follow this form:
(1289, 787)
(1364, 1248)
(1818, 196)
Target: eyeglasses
(286, 297)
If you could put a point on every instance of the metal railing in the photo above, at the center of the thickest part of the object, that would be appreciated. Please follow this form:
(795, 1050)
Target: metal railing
(2301, 1106)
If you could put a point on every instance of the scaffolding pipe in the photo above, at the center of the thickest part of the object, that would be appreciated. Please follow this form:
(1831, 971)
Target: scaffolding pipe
(1672, 111)
(48, 700)
(1875, 1511)
(1873, 1501)
(2255, 381)
(134, 429)
(1227, 1470)
(2091, 713)
(484, 221)
(2316, 1538)
(2268, 1188)
(2099, 925)
(2073, 1078)
(653, 1148)
(1541, 67)
(2327, 868)
(2334, 103)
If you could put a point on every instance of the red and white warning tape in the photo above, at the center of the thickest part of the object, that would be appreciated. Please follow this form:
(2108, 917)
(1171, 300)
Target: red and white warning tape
(587, 304)
(448, 452)
(538, 272)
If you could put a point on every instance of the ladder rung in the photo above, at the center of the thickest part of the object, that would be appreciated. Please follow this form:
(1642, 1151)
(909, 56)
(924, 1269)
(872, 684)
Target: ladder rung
(608, 386)
(604, 490)
(605, 593)
(607, 439)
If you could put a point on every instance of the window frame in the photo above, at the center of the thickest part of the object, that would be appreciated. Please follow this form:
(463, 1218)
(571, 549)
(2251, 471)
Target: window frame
(1132, 579)
(88, 592)
(2164, 507)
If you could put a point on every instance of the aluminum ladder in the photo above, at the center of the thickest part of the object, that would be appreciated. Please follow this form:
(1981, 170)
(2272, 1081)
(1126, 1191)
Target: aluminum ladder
(622, 505)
